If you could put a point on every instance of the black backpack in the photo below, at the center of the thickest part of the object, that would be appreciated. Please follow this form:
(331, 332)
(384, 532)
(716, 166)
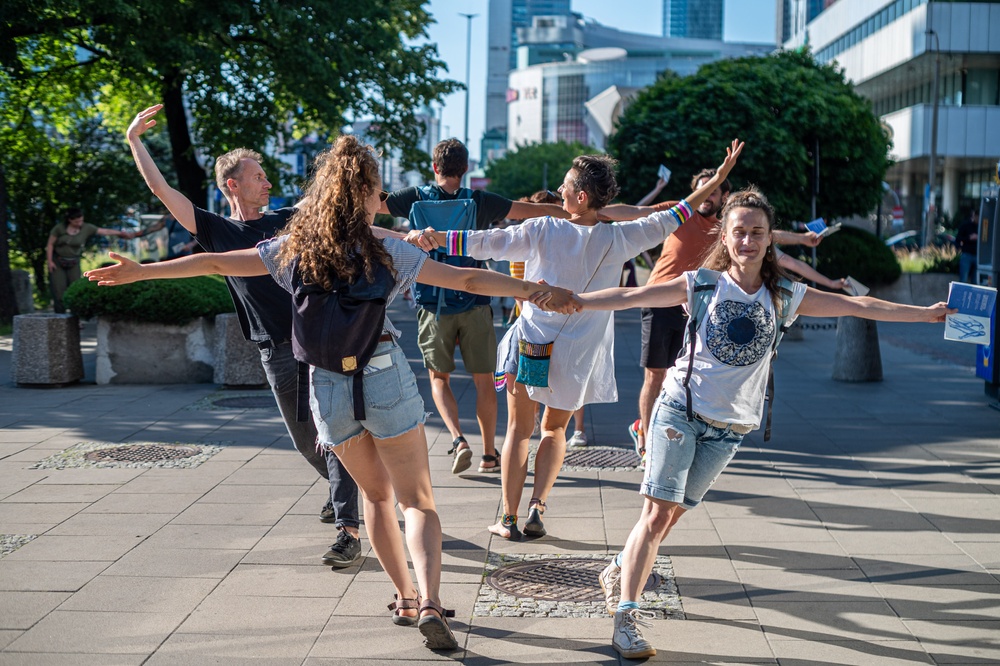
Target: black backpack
(338, 330)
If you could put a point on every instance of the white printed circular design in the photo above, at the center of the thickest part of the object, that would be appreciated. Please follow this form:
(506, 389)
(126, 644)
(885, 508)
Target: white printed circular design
(739, 333)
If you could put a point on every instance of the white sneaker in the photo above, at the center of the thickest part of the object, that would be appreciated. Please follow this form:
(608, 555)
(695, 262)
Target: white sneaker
(627, 640)
(611, 583)
(578, 439)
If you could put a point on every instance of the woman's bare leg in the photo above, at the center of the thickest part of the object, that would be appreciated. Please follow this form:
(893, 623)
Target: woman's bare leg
(654, 524)
(514, 462)
(551, 451)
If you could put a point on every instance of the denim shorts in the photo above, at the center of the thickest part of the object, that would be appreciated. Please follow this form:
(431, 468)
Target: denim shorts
(393, 405)
(682, 468)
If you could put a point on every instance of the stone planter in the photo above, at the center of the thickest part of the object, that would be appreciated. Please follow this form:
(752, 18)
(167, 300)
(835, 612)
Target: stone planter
(237, 360)
(46, 350)
(130, 352)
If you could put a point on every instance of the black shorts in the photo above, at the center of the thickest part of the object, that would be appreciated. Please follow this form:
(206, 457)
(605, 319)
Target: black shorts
(662, 336)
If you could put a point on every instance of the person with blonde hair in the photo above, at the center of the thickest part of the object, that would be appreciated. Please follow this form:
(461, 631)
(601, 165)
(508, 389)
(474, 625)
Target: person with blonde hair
(386, 453)
(714, 395)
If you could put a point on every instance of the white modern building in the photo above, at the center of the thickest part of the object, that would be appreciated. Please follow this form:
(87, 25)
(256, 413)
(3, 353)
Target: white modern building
(595, 70)
(888, 49)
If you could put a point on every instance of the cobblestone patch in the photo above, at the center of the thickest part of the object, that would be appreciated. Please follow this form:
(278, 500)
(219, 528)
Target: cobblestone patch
(235, 400)
(663, 600)
(76, 456)
(11, 542)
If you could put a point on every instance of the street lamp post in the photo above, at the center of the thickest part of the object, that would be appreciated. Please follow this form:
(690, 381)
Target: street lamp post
(468, 61)
(928, 228)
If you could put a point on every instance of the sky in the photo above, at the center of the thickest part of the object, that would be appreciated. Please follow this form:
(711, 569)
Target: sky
(745, 21)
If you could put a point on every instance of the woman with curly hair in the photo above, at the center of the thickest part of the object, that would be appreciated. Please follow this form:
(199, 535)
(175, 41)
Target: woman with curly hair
(580, 254)
(714, 395)
(387, 452)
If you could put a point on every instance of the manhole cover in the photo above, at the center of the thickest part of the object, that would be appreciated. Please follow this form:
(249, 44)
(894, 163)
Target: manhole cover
(603, 457)
(564, 579)
(246, 402)
(142, 453)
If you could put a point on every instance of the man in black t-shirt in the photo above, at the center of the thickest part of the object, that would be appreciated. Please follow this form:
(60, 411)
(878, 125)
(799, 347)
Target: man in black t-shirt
(472, 330)
(264, 309)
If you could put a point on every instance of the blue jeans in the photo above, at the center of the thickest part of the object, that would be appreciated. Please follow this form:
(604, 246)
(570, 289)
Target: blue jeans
(684, 458)
(967, 268)
(282, 372)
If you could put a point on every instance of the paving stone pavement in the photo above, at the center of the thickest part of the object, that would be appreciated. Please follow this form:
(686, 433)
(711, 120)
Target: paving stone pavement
(865, 532)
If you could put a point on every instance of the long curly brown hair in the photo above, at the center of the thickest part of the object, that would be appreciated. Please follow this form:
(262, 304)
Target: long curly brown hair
(717, 258)
(329, 232)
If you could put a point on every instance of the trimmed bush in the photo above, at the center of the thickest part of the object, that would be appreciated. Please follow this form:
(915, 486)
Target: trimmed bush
(860, 254)
(154, 301)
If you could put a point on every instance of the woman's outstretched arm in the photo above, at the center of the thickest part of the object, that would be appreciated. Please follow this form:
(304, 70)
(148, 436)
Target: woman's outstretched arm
(826, 304)
(238, 263)
(664, 295)
(490, 283)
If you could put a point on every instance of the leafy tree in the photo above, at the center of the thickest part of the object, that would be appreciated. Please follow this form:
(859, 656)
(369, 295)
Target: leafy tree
(533, 167)
(256, 74)
(781, 105)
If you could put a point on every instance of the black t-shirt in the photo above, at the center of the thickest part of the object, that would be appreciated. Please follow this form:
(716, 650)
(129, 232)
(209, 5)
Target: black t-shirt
(964, 237)
(264, 308)
(490, 208)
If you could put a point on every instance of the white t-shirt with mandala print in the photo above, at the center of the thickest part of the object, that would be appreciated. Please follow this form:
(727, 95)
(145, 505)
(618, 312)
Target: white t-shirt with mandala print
(732, 354)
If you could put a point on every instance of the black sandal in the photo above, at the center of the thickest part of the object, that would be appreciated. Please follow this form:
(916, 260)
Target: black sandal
(463, 457)
(404, 604)
(495, 467)
(437, 634)
(534, 527)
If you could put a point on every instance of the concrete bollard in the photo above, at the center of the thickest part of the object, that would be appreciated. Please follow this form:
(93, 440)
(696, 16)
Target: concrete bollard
(237, 360)
(21, 280)
(857, 358)
(46, 350)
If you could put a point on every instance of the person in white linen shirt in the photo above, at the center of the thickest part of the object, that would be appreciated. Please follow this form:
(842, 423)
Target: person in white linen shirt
(581, 254)
(691, 443)
(386, 453)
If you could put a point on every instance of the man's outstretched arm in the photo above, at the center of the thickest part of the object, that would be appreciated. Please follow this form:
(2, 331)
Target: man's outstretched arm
(178, 204)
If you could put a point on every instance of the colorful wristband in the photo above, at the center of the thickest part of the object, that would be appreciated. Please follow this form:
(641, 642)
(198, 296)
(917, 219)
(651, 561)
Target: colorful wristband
(457, 243)
(681, 212)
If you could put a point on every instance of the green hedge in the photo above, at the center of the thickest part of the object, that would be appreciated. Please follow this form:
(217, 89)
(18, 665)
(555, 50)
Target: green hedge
(860, 254)
(154, 301)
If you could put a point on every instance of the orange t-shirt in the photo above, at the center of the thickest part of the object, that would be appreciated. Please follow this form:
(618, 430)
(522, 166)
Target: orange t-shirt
(685, 248)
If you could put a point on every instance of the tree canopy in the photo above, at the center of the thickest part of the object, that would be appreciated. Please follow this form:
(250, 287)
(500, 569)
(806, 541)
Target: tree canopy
(781, 105)
(533, 167)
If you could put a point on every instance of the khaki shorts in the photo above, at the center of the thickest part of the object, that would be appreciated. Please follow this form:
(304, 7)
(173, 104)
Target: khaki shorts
(473, 329)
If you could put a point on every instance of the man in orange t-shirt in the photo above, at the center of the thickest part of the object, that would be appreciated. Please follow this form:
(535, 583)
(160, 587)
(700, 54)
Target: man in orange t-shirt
(663, 328)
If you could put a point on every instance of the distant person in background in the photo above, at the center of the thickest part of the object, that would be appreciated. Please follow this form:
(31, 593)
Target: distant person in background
(180, 242)
(967, 241)
(64, 249)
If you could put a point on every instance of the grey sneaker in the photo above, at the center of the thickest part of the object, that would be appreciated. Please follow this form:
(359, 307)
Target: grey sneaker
(611, 583)
(344, 552)
(627, 640)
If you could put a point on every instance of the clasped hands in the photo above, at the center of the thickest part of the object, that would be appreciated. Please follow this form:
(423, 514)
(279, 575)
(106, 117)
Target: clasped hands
(555, 299)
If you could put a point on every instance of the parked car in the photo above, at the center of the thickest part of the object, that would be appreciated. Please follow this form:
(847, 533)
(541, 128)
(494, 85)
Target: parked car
(910, 240)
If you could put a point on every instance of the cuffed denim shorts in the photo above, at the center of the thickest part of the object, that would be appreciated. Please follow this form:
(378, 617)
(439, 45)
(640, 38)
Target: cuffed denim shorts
(682, 468)
(393, 405)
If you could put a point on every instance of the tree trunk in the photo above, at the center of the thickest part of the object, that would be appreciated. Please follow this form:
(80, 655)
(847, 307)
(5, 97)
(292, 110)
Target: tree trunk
(190, 177)
(8, 305)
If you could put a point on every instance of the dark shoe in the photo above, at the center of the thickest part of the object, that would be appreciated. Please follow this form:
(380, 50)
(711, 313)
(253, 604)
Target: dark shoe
(534, 526)
(327, 514)
(344, 552)
(490, 464)
(463, 456)
(437, 634)
(404, 604)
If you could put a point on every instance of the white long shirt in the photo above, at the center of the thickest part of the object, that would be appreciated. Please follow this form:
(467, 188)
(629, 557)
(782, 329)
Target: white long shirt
(581, 259)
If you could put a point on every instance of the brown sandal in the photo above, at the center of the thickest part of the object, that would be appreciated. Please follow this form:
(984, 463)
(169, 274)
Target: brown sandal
(404, 604)
(437, 634)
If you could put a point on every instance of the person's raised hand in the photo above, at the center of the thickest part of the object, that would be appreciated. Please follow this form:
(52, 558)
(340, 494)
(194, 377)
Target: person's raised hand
(732, 155)
(124, 272)
(143, 121)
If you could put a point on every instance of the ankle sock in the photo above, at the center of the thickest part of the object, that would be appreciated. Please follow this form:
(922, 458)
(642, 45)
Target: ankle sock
(627, 605)
(618, 560)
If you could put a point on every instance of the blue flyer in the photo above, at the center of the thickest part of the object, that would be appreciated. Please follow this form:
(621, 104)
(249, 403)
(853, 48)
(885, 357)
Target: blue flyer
(817, 226)
(975, 305)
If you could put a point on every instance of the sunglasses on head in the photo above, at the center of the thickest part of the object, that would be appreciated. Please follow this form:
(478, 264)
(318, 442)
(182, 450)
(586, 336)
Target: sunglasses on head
(383, 195)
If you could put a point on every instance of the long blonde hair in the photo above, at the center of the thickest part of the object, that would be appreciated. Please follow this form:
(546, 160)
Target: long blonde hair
(717, 258)
(329, 233)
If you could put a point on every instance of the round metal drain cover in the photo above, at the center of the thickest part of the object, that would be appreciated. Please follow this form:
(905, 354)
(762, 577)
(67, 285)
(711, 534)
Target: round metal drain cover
(246, 402)
(564, 579)
(601, 457)
(142, 453)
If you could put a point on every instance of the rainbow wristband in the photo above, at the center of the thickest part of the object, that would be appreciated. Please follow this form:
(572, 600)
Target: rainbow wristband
(457, 243)
(681, 212)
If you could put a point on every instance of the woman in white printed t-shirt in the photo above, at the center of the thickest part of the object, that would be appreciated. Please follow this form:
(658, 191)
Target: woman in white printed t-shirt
(690, 447)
